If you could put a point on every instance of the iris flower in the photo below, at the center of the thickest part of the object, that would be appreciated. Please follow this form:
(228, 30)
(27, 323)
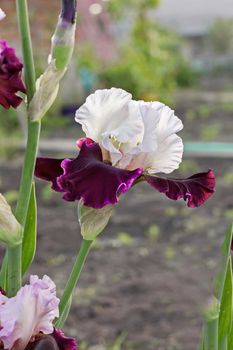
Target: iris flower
(126, 142)
(26, 319)
(10, 76)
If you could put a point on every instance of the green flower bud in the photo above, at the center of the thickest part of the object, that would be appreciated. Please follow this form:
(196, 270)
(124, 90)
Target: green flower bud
(64, 37)
(47, 86)
(93, 221)
(63, 42)
(11, 231)
(212, 309)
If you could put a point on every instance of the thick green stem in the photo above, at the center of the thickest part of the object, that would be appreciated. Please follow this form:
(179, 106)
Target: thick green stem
(14, 265)
(211, 335)
(14, 254)
(24, 28)
(74, 276)
(28, 171)
(62, 317)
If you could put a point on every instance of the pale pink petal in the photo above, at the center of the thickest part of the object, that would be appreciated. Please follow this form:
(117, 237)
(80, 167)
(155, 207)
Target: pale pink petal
(31, 311)
(2, 14)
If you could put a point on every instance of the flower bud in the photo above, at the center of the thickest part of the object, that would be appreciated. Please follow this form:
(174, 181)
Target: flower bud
(93, 221)
(64, 36)
(10, 230)
(212, 309)
(47, 84)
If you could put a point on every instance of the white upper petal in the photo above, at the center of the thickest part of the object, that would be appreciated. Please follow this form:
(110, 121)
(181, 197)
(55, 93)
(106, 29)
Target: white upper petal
(167, 157)
(168, 124)
(161, 149)
(105, 112)
(108, 114)
(135, 133)
(31, 311)
(147, 142)
(2, 14)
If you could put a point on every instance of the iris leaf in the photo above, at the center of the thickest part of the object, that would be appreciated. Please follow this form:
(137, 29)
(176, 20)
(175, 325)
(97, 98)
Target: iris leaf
(225, 316)
(226, 250)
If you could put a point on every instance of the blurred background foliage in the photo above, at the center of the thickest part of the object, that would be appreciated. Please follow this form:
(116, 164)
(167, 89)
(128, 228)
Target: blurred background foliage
(151, 58)
(146, 58)
(149, 64)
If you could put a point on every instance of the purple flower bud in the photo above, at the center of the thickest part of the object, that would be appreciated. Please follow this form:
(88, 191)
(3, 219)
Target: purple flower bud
(64, 36)
(68, 12)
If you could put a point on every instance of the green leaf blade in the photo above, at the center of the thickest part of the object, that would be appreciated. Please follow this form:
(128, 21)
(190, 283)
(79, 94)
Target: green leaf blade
(226, 251)
(30, 233)
(225, 316)
(210, 331)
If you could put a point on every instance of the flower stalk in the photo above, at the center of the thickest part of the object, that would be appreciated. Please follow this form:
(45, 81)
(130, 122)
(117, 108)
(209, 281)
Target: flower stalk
(24, 28)
(14, 254)
(14, 269)
(74, 276)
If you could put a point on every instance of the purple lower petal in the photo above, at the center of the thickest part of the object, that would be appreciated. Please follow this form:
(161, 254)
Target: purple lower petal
(44, 342)
(87, 177)
(63, 342)
(195, 189)
(2, 291)
(55, 341)
(49, 169)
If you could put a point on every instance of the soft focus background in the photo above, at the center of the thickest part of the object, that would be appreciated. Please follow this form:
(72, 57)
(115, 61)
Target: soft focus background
(151, 271)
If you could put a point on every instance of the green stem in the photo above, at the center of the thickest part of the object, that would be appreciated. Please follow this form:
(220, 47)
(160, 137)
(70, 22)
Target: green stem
(224, 345)
(3, 273)
(74, 276)
(14, 264)
(211, 335)
(24, 28)
(14, 254)
(28, 171)
(62, 318)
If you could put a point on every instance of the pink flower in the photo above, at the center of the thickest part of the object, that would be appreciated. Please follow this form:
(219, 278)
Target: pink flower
(10, 76)
(26, 319)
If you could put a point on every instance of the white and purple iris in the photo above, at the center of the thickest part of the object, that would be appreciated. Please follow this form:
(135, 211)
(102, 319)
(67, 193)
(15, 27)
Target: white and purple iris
(26, 319)
(126, 142)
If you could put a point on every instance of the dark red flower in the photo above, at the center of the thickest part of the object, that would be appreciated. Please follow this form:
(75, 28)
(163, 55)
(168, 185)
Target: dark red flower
(10, 76)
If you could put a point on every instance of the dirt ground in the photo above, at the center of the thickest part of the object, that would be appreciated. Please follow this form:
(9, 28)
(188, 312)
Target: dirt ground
(151, 271)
